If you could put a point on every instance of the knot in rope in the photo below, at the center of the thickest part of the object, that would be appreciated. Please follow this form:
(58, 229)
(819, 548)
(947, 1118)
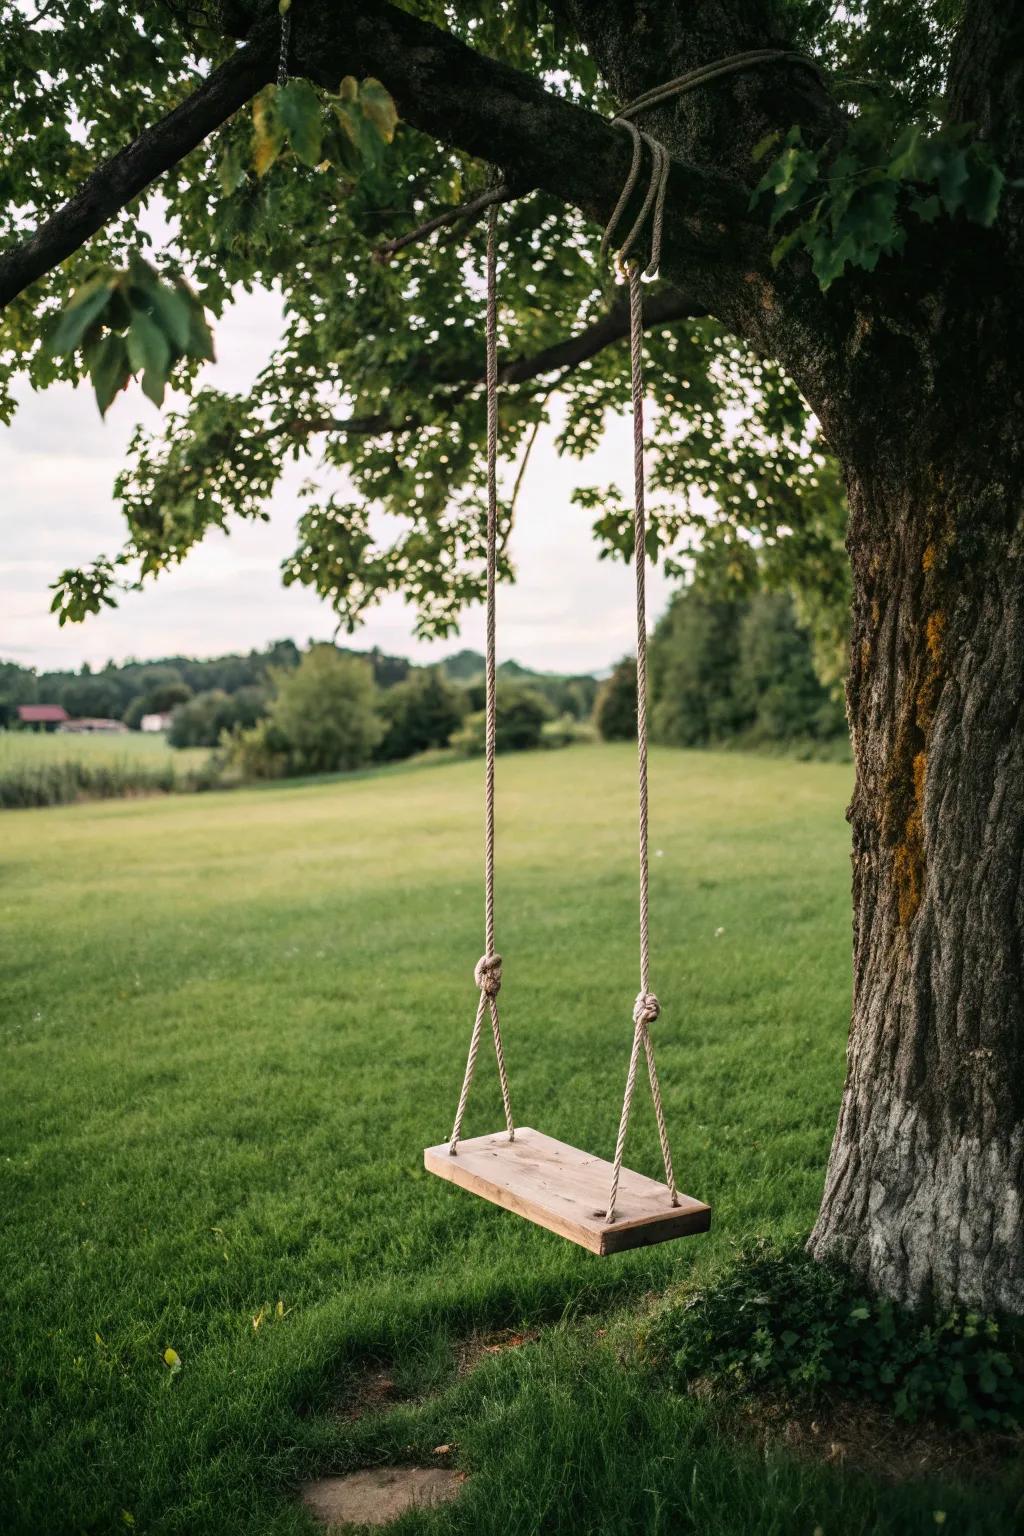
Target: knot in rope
(487, 975)
(646, 1008)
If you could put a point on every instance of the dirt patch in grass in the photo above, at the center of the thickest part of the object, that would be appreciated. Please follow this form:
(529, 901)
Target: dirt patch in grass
(378, 1495)
(474, 1349)
(860, 1436)
(373, 1390)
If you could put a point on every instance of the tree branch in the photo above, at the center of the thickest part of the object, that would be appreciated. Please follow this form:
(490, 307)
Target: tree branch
(443, 88)
(661, 307)
(112, 186)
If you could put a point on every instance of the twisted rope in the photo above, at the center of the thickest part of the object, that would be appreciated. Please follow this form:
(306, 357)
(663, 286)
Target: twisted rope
(657, 186)
(647, 1008)
(487, 974)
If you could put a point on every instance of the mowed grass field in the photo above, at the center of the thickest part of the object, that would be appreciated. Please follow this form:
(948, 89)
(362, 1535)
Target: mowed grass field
(229, 1025)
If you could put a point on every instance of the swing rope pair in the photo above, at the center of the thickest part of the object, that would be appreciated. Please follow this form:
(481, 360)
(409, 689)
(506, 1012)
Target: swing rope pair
(487, 974)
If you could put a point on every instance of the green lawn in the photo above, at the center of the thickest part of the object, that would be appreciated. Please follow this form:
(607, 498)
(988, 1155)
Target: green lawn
(229, 1025)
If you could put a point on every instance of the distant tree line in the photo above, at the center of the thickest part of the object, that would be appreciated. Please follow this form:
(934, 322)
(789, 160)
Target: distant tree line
(281, 711)
(725, 670)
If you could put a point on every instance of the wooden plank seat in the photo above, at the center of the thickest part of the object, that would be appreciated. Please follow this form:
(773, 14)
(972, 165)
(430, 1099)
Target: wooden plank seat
(558, 1187)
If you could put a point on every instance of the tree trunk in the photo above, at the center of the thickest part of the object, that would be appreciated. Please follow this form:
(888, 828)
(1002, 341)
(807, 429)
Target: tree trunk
(925, 1183)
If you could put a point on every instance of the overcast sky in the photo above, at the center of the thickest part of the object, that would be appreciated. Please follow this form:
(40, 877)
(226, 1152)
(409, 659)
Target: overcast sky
(567, 612)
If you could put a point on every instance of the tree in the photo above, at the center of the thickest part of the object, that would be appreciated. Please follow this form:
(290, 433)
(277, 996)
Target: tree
(18, 685)
(776, 686)
(325, 711)
(520, 716)
(694, 658)
(419, 713)
(848, 239)
(202, 720)
(615, 707)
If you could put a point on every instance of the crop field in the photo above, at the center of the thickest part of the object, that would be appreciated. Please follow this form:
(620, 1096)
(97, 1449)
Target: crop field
(42, 768)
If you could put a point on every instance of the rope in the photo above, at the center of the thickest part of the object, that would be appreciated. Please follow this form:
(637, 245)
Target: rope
(487, 974)
(660, 160)
(647, 1008)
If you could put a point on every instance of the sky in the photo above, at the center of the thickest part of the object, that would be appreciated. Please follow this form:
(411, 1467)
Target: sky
(568, 611)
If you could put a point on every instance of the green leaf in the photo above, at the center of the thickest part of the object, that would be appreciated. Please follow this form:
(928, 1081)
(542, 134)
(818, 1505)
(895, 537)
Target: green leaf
(341, 152)
(172, 311)
(299, 108)
(200, 337)
(952, 180)
(110, 371)
(230, 169)
(927, 209)
(378, 106)
(83, 308)
(983, 190)
(148, 348)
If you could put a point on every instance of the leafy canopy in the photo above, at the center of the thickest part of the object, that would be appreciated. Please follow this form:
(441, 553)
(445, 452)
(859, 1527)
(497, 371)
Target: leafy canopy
(374, 383)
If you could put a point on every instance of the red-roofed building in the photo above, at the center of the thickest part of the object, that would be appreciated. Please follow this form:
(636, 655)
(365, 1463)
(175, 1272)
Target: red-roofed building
(42, 717)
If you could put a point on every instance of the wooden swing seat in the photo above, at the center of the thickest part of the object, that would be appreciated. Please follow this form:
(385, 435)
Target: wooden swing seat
(558, 1187)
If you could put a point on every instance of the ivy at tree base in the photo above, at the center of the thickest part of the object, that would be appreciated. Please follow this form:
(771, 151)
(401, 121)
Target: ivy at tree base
(781, 1324)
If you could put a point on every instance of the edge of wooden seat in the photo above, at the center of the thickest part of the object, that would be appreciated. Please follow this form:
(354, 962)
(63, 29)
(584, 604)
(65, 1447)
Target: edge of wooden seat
(559, 1187)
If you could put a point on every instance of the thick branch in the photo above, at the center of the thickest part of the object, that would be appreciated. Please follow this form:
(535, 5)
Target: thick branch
(442, 87)
(112, 186)
(502, 115)
(661, 307)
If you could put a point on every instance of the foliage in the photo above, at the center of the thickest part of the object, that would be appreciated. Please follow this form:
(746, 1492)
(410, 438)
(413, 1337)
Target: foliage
(376, 377)
(779, 1322)
(853, 206)
(325, 712)
(694, 655)
(202, 720)
(128, 324)
(520, 716)
(776, 685)
(725, 668)
(566, 731)
(615, 707)
(418, 714)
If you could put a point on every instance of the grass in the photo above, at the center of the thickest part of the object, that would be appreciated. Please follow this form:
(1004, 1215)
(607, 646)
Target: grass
(41, 768)
(229, 1025)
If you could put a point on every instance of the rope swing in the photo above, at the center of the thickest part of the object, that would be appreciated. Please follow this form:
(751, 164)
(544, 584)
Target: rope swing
(545, 1180)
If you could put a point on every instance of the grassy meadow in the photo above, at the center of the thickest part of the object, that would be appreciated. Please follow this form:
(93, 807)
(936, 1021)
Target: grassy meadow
(39, 768)
(229, 1025)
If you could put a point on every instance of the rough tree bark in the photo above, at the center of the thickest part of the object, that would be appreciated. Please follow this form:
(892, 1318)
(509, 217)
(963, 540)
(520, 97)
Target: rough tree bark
(926, 1176)
(917, 375)
(918, 378)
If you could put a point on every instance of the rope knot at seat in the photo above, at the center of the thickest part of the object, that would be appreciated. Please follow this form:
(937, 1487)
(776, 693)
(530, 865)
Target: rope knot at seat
(487, 975)
(646, 1009)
